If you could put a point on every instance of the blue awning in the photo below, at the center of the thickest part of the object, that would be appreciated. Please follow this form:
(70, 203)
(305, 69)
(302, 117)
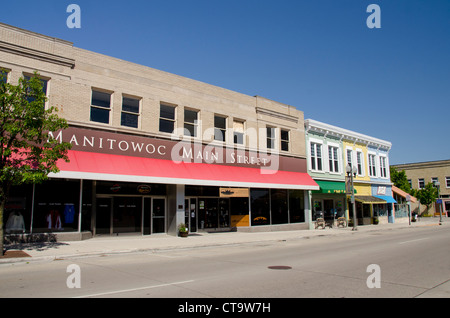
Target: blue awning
(386, 198)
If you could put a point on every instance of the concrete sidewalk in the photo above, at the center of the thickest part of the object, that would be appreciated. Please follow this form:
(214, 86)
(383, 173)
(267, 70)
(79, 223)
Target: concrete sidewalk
(103, 245)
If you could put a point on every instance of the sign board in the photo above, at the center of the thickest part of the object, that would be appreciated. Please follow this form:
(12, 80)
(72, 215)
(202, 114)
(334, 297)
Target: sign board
(234, 192)
(381, 190)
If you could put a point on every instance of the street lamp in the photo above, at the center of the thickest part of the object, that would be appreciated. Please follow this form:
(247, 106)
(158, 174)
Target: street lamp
(351, 172)
(438, 185)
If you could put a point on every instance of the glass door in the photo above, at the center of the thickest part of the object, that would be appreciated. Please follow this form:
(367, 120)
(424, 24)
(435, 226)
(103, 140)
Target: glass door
(158, 216)
(127, 214)
(103, 217)
(190, 214)
(224, 213)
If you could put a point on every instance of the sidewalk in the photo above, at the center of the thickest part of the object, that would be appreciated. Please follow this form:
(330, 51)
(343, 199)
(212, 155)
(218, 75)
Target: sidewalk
(131, 244)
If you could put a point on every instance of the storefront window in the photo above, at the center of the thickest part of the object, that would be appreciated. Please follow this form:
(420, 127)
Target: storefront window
(56, 206)
(260, 206)
(17, 214)
(296, 206)
(279, 203)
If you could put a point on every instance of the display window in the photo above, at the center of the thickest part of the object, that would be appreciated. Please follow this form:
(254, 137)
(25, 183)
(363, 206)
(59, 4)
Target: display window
(56, 206)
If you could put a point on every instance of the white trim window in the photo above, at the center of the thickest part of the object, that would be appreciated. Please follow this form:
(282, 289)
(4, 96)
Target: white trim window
(447, 182)
(372, 165)
(333, 159)
(316, 156)
(360, 163)
(350, 157)
(383, 169)
(421, 183)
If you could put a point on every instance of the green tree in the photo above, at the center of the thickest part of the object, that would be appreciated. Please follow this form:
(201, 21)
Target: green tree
(427, 195)
(400, 180)
(27, 154)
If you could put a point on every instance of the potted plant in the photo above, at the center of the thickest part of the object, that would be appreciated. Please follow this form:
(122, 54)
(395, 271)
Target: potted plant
(183, 230)
(376, 220)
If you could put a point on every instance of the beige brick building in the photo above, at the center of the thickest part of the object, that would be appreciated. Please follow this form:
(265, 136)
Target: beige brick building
(419, 174)
(127, 122)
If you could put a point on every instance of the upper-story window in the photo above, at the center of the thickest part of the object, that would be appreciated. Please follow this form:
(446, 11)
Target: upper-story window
(167, 118)
(447, 182)
(421, 183)
(284, 140)
(100, 106)
(130, 112)
(238, 132)
(270, 135)
(190, 122)
(220, 128)
(360, 163)
(372, 165)
(316, 156)
(3, 75)
(333, 159)
(350, 158)
(383, 169)
(44, 84)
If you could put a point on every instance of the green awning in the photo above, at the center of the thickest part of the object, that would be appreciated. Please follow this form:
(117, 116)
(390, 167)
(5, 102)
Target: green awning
(330, 187)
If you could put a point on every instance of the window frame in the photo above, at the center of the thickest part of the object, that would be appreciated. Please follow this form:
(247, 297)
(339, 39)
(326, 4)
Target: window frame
(285, 141)
(223, 130)
(271, 138)
(333, 159)
(372, 160)
(383, 167)
(315, 159)
(194, 124)
(419, 180)
(360, 165)
(129, 112)
(237, 134)
(6, 72)
(171, 121)
(100, 107)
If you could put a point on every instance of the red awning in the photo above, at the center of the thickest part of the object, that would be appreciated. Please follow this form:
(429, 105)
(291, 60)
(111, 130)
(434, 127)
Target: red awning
(107, 167)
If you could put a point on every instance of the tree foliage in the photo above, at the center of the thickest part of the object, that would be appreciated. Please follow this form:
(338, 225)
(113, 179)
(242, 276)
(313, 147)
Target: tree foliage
(400, 180)
(27, 153)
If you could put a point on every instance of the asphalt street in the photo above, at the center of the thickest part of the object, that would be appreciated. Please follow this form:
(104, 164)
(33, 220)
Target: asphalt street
(405, 263)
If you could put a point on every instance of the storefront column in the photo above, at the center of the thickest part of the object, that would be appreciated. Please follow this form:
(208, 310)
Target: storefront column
(175, 213)
(308, 209)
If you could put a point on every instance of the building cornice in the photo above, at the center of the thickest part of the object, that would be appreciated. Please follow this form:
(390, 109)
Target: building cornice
(345, 134)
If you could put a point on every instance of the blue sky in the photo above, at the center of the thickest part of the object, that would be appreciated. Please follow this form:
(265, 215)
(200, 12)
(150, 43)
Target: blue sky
(391, 83)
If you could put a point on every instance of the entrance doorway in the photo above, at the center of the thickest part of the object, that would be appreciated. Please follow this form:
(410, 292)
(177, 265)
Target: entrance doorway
(190, 214)
(214, 213)
(130, 214)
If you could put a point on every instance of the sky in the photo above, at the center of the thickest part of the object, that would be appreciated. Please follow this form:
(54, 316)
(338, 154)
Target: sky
(392, 83)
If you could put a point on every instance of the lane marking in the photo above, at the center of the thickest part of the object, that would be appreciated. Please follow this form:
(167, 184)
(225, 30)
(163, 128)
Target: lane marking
(134, 289)
(422, 239)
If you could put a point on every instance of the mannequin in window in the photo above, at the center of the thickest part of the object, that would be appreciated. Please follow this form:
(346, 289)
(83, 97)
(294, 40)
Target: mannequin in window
(54, 220)
(15, 223)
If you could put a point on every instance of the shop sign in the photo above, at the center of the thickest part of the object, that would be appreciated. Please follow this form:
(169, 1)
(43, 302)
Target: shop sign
(144, 189)
(115, 188)
(381, 190)
(234, 192)
(240, 220)
(106, 142)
